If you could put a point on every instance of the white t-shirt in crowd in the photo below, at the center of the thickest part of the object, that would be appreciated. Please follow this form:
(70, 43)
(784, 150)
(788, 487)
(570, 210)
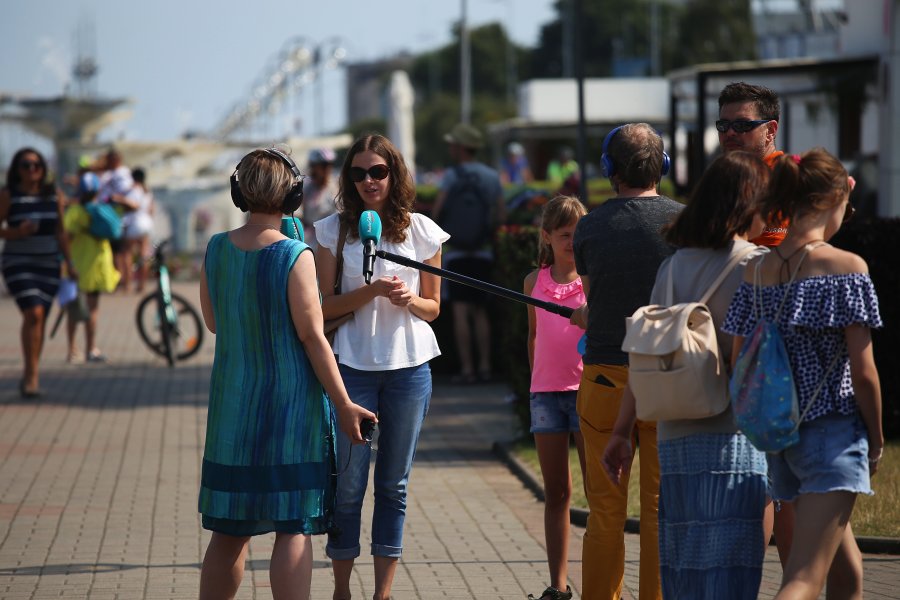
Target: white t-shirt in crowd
(117, 181)
(381, 336)
(138, 222)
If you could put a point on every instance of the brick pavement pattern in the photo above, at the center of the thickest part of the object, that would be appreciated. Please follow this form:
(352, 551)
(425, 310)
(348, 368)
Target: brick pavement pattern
(99, 481)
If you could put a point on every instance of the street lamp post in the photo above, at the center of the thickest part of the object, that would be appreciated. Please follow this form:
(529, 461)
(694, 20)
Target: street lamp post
(465, 67)
(581, 147)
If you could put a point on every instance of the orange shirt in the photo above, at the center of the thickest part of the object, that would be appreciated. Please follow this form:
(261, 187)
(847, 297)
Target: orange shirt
(774, 233)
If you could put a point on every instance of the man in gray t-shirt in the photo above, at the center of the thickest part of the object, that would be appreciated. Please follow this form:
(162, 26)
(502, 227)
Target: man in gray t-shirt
(618, 249)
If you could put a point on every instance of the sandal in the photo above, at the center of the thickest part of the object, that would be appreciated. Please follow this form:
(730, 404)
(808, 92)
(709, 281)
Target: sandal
(95, 356)
(551, 593)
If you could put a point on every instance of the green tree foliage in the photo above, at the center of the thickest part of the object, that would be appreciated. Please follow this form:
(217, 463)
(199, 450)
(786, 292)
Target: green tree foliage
(435, 75)
(715, 31)
(618, 32)
(610, 29)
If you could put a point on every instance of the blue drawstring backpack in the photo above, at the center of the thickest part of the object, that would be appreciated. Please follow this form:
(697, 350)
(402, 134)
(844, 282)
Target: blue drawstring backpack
(106, 223)
(763, 395)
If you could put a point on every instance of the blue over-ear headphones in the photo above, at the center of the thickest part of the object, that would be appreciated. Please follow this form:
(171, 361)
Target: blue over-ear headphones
(609, 167)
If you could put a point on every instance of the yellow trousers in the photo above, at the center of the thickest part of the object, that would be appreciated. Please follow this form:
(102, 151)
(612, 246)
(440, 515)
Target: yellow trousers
(603, 559)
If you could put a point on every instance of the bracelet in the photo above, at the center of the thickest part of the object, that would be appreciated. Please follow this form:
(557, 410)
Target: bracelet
(877, 458)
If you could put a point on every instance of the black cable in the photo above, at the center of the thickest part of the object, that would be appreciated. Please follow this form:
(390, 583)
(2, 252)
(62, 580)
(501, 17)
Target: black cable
(367, 428)
(349, 454)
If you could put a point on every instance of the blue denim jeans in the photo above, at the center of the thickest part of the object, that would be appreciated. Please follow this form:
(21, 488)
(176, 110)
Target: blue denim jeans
(400, 399)
(832, 455)
(554, 412)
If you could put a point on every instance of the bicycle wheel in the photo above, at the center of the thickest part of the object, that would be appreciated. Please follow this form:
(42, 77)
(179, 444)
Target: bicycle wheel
(185, 338)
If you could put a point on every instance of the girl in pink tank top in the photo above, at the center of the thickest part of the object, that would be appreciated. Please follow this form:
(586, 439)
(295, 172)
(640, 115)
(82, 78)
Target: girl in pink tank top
(555, 375)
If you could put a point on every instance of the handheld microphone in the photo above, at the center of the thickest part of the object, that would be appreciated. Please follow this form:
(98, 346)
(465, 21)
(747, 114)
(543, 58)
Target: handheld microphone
(291, 227)
(369, 235)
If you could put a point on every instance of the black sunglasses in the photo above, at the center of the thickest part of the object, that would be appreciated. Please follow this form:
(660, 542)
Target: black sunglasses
(743, 126)
(29, 165)
(376, 172)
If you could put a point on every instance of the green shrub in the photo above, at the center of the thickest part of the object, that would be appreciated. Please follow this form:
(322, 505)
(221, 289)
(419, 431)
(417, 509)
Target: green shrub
(516, 252)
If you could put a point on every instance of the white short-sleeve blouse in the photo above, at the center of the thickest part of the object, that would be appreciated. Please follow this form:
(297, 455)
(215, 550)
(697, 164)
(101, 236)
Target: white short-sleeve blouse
(381, 336)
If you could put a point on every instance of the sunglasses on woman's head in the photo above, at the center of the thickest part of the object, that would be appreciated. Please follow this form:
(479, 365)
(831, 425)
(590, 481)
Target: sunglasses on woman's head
(742, 126)
(376, 172)
(29, 165)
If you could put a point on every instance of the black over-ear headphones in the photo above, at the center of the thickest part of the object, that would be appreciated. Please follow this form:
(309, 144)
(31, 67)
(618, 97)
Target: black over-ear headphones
(609, 167)
(292, 199)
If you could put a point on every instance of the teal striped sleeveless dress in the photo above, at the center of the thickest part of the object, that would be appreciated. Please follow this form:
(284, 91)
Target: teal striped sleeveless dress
(268, 462)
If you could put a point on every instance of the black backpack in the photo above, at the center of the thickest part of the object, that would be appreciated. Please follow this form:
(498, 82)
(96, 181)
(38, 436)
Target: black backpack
(466, 214)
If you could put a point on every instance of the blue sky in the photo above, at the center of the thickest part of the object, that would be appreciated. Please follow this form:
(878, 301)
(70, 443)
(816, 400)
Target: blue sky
(185, 62)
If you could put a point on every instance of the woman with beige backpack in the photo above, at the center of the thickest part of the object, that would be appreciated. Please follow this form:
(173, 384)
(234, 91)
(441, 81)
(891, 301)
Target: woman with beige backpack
(712, 480)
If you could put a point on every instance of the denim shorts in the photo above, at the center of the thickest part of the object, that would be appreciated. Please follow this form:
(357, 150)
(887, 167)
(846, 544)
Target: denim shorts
(554, 412)
(831, 456)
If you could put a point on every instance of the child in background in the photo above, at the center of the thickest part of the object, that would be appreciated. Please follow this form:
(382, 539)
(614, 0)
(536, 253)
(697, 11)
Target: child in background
(93, 261)
(555, 376)
(829, 306)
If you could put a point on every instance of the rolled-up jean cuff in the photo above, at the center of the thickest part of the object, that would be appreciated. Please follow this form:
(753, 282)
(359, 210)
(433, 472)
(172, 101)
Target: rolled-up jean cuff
(388, 551)
(342, 553)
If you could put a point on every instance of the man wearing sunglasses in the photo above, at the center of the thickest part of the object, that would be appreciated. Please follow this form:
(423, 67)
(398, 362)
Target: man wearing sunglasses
(748, 122)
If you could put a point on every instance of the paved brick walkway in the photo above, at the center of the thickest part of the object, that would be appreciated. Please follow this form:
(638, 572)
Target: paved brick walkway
(99, 478)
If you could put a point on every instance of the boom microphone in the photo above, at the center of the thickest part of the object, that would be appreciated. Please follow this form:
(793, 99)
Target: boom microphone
(557, 309)
(369, 235)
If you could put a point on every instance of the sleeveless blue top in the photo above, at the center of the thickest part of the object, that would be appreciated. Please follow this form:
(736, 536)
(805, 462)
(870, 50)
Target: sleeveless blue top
(269, 453)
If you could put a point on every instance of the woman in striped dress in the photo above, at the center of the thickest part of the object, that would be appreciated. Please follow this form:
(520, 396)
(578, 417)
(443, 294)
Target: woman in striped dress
(31, 216)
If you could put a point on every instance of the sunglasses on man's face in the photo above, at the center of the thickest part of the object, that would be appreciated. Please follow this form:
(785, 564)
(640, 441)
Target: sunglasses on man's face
(742, 126)
(376, 172)
(29, 165)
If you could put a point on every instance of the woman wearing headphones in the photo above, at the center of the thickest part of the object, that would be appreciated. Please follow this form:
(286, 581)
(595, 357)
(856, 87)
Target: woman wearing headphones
(268, 463)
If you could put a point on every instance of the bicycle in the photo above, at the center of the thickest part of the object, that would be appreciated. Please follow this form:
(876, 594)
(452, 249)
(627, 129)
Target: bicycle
(167, 322)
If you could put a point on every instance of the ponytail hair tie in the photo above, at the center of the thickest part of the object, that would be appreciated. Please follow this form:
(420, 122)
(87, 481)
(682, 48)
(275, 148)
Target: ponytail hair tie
(796, 158)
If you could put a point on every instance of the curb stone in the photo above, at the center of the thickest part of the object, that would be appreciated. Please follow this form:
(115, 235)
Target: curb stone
(578, 516)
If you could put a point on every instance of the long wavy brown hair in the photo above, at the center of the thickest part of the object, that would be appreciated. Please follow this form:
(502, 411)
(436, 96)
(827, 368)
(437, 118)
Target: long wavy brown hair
(401, 190)
(723, 203)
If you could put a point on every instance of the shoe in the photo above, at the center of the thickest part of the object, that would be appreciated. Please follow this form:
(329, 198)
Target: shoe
(28, 394)
(485, 376)
(551, 593)
(74, 358)
(96, 357)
